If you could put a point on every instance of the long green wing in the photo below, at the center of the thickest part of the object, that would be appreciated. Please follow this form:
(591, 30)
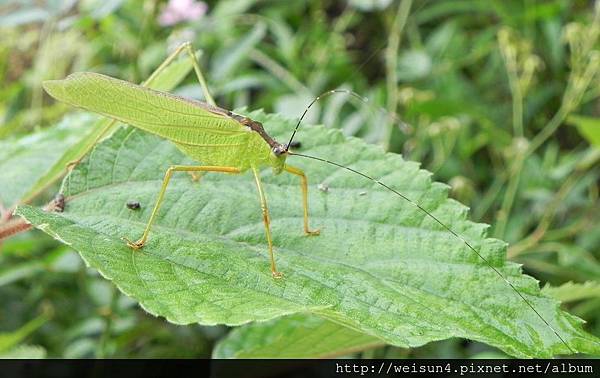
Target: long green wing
(203, 132)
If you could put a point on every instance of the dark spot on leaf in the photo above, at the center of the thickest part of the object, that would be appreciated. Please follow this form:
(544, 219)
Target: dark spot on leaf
(133, 205)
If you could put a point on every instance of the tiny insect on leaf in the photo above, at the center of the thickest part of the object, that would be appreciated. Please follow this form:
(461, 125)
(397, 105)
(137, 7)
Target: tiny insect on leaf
(133, 205)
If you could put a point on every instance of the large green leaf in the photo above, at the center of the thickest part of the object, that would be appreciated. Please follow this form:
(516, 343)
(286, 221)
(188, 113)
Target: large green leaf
(10, 340)
(380, 266)
(24, 160)
(295, 336)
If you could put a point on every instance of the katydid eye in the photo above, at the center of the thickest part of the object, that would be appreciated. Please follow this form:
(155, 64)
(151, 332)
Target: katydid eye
(278, 150)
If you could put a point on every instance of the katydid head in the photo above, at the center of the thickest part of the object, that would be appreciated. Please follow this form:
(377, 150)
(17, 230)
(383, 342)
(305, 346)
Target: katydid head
(278, 155)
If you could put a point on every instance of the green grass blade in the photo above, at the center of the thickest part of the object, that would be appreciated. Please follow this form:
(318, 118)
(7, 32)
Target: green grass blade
(85, 142)
(380, 265)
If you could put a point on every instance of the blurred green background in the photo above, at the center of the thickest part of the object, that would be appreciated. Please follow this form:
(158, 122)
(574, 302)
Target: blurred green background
(499, 99)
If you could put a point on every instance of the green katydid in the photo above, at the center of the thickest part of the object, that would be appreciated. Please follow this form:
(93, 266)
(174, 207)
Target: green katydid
(222, 140)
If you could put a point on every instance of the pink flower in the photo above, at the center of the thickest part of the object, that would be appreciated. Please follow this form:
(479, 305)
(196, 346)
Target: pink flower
(178, 11)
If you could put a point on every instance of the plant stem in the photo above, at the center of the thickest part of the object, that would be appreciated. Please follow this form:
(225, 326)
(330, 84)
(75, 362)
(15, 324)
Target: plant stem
(547, 131)
(488, 198)
(10, 227)
(101, 351)
(546, 220)
(517, 110)
(391, 60)
(570, 101)
(509, 197)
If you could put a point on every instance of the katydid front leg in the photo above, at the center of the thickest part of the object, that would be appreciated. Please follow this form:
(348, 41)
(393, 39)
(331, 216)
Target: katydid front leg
(304, 187)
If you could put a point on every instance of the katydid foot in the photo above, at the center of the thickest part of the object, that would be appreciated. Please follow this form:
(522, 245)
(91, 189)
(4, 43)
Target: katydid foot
(134, 245)
(277, 275)
(72, 164)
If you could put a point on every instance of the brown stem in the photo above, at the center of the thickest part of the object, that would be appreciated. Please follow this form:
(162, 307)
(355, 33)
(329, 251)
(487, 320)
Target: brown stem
(12, 226)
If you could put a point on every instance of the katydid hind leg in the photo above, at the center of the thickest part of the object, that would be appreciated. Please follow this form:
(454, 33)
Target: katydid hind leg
(175, 168)
(304, 186)
(198, 71)
(187, 47)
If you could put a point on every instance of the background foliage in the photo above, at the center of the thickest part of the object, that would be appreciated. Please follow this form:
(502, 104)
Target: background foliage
(497, 98)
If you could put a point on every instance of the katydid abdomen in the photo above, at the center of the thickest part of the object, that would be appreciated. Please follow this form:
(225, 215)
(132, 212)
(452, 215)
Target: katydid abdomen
(238, 151)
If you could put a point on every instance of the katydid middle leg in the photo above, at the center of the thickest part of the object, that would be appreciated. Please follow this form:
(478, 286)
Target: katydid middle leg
(175, 168)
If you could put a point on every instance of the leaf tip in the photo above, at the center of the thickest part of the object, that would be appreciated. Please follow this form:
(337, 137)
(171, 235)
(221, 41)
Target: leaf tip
(20, 210)
(54, 88)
